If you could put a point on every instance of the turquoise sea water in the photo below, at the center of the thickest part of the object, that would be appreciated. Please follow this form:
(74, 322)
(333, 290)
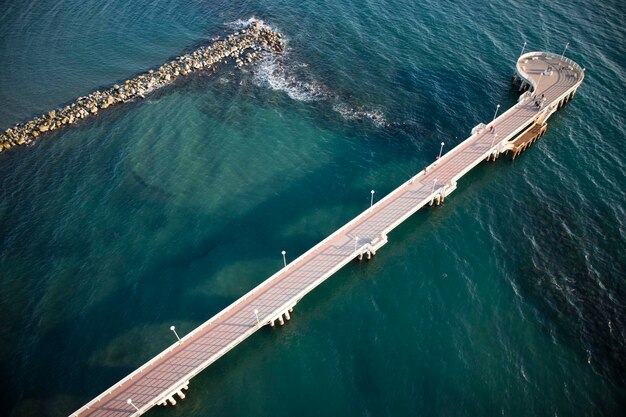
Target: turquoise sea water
(509, 300)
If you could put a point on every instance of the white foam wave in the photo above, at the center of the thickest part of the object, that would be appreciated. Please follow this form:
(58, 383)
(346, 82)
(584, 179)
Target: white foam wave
(271, 73)
(241, 24)
(350, 113)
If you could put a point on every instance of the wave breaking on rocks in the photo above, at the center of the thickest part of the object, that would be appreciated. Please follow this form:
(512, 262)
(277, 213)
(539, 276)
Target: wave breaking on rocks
(278, 73)
(244, 46)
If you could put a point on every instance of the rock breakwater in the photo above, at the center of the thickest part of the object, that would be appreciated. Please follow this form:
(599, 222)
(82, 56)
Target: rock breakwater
(244, 46)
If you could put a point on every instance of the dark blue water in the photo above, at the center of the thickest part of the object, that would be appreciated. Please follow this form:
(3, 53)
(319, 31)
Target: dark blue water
(510, 299)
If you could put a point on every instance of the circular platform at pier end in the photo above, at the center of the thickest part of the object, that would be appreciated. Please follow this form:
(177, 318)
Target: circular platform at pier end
(549, 74)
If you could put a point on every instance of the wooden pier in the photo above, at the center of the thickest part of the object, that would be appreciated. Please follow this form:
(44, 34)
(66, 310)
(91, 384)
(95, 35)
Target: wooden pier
(549, 81)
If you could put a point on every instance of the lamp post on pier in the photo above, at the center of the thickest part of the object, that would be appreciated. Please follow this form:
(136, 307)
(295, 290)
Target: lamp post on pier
(440, 150)
(130, 402)
(372, 199)
(496, 113)
(256, 314)
(563, 54)
(173, 328)
(523, 47)
(284, 258)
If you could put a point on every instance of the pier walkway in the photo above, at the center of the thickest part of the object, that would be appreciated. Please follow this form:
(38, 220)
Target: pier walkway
(164, 378)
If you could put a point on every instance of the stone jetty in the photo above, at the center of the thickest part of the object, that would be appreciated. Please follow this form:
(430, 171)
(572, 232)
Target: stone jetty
(241, 47)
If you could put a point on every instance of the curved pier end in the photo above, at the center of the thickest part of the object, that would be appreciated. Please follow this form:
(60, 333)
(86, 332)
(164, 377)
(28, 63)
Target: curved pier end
(552, 81)
(555, 77)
